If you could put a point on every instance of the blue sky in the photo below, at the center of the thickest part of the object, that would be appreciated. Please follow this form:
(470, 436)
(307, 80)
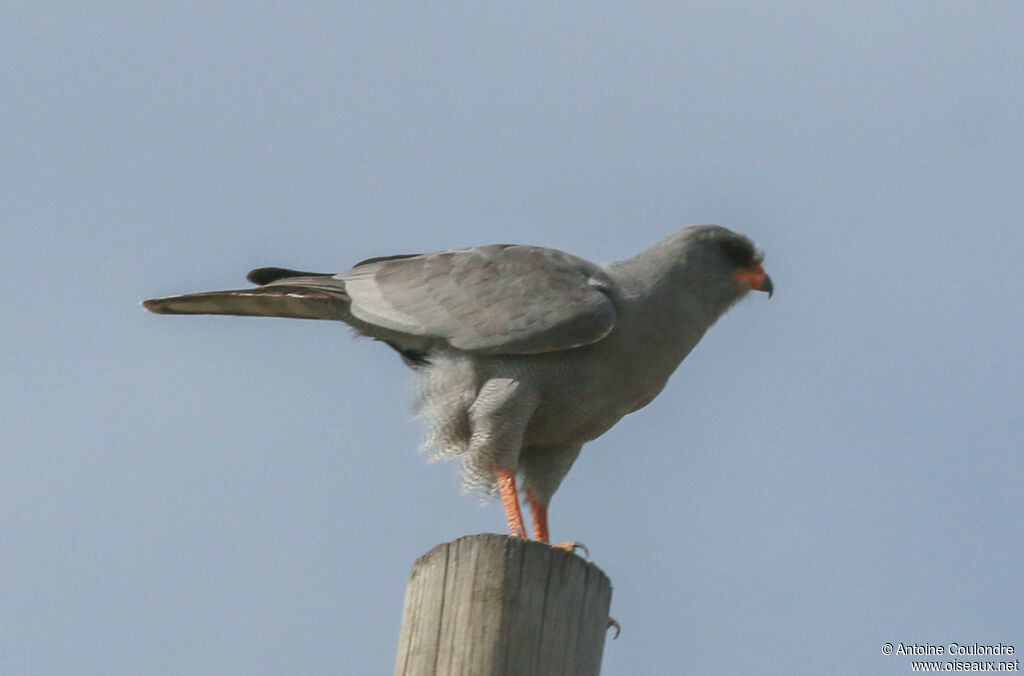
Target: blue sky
(828, 471)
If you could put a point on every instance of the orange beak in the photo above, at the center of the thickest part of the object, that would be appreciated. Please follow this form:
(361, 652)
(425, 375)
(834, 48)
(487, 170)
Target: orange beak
(757, 278)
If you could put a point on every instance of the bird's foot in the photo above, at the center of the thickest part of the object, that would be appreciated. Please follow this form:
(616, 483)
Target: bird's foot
(572, 547)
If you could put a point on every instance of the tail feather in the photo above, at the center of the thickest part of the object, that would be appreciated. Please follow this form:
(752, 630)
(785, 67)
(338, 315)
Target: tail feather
(276, 300)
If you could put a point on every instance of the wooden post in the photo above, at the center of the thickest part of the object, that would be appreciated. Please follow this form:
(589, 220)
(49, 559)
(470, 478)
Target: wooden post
(493, 605)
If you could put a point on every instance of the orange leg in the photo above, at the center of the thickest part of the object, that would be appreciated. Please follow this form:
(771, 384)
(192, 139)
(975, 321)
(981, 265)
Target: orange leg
(509, 498)
(540, 517)
(540, 525)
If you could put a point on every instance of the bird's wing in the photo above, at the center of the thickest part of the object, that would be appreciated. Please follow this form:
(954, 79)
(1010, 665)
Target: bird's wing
(498, 299)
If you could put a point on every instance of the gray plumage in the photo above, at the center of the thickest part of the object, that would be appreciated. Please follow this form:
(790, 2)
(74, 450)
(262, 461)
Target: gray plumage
(524, 353)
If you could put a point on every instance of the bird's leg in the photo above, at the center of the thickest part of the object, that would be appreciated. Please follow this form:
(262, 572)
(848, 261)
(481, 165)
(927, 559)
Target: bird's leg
(510, 498)
(539, 514)
(498, 418)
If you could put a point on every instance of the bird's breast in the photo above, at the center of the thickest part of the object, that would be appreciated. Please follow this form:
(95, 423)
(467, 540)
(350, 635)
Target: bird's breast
(583, 397)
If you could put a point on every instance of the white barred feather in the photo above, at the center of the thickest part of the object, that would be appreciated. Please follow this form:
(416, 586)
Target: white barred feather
(446, 390)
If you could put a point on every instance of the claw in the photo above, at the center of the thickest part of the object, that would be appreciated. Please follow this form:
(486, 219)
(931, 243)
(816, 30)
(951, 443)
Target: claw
(618, 627)
(572, 547)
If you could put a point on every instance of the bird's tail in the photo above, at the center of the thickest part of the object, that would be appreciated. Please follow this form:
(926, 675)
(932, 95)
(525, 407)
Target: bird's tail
(282, 293)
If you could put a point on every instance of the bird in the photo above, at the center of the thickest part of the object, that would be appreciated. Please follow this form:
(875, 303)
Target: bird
(523, 353)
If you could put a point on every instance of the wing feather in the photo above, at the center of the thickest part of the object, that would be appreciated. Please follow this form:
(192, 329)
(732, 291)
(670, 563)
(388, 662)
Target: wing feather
(492, 299)
(498, 299)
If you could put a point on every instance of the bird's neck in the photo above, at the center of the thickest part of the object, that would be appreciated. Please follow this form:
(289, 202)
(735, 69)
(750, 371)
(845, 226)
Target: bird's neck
(679, 292)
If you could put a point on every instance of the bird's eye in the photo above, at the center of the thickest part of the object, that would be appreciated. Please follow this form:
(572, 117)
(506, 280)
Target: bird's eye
(739, 252)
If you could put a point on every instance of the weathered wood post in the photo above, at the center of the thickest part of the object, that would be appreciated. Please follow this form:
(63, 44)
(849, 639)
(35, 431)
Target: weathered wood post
(493, 605)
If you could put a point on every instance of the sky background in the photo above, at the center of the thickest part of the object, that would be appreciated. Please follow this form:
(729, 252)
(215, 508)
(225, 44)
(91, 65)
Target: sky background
(830, 470)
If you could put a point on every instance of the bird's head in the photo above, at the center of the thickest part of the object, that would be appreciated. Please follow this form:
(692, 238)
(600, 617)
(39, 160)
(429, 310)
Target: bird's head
(730, 254)
(719, 265)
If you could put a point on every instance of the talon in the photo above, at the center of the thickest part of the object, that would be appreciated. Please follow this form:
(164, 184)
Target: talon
(572, 547)
(618, 627)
